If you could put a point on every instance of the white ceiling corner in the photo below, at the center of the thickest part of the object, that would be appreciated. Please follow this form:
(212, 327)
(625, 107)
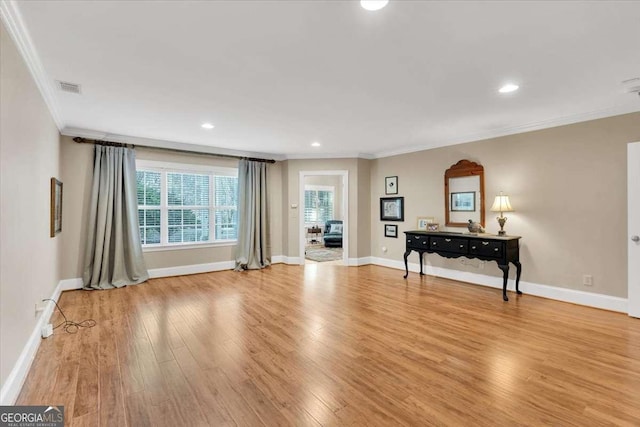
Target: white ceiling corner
(18, 31)
(273, 78)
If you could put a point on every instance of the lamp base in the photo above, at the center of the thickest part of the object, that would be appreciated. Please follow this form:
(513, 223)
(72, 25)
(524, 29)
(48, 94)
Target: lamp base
(501, 221)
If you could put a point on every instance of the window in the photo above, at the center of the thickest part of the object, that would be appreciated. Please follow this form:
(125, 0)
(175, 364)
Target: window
(178, 206)
(318, 204)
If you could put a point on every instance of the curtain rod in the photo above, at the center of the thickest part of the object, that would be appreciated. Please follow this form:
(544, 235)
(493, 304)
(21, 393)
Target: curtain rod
(81, 140)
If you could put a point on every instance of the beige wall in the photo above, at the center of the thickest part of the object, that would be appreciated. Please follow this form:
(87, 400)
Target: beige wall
(29, 157)
(364, 201)
(77, 166)
(567, 185)
(357, 214)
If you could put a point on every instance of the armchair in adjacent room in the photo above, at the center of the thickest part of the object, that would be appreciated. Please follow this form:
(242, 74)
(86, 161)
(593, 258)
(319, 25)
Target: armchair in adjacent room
(333, 233)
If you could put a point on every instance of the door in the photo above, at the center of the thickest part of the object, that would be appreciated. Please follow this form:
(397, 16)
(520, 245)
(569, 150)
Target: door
(633, 227)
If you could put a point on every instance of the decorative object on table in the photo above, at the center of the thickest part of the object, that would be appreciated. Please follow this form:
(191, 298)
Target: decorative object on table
(391, 185)
(475, 227)
(461, 181)
(501, 204)
(390, 230)
(314, 232)
(423, 221)
(391, 208)
(432, 226)
(56, 207)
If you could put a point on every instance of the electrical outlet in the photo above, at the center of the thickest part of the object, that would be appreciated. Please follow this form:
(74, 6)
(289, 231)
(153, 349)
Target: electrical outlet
(47, 330)
(587, 280)
(39, 308)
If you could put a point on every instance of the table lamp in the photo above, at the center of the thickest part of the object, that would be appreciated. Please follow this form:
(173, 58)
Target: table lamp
(501, 204)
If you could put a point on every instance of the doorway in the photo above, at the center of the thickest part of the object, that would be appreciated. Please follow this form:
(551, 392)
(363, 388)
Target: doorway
(323, 220)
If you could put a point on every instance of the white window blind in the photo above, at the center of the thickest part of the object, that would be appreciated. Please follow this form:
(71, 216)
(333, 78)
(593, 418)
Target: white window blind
(186, 207)
(318, 205)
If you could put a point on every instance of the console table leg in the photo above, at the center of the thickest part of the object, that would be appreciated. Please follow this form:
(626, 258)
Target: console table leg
(518, 271)
(421, 255)
(406, 264)
(505, 277)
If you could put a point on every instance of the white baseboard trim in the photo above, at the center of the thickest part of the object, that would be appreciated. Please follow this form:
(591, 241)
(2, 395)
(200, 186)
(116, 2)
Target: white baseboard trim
(283, 259)
(182, 270)
(209, 267)
(590, 299)
(13, 385)
(357, 262)
(71, 284)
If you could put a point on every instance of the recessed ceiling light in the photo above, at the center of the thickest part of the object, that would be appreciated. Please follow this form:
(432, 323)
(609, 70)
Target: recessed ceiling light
(509, 87)
(373, 4)
(315, 144)
(207, 126)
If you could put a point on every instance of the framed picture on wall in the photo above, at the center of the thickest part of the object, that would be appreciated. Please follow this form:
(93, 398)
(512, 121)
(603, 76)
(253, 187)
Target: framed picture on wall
(56, 207)
(392, 209)
(463, 202)
(390, 230)
(391, 185)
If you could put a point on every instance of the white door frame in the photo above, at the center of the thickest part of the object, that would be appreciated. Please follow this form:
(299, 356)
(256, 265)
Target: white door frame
(633, 228)
(302, 235)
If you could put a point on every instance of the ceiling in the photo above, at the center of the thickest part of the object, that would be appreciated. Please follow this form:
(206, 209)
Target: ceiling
(275, 76)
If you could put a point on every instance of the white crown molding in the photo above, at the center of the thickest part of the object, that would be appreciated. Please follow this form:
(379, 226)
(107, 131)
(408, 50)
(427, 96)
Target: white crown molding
(159, 143)
(16, 28)
(513, 130)
(304, 156)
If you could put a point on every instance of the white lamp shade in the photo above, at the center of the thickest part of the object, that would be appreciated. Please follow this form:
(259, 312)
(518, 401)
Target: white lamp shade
(501, 204)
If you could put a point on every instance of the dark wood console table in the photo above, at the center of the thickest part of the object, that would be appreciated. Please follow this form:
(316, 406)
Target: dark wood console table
(486, 247)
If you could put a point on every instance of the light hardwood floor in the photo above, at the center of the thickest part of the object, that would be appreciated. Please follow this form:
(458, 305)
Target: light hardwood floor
(333, 345)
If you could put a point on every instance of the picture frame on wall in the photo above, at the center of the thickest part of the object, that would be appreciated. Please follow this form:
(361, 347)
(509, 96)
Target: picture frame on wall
(391, 185)
(423, 221)
(391, 230)
(392, 209)
(463, 202)
(56, 207)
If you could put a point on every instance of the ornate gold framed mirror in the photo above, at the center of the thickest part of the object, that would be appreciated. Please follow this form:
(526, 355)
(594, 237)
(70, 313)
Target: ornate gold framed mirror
(464, 194)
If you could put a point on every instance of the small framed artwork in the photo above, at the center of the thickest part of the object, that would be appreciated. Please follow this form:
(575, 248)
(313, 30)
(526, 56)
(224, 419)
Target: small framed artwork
(432, 226)
(423, 221)
(390, 230)
(56, 207)
(391, 185)
(391, 208)
(463, 202)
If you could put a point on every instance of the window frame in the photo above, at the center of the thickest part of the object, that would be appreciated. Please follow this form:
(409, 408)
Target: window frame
(165, 168)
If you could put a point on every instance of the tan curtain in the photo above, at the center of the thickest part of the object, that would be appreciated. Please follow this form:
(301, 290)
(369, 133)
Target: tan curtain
(113, 256)
(253, 250)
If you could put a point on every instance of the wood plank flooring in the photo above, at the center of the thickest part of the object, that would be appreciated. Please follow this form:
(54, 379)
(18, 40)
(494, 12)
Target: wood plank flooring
(333, 345)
